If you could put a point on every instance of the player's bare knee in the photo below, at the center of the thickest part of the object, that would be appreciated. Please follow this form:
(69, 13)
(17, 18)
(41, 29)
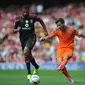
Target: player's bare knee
(59, 60)
(26, 52)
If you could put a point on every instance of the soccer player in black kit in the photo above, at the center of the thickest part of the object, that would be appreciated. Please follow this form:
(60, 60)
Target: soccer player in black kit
(24, 23)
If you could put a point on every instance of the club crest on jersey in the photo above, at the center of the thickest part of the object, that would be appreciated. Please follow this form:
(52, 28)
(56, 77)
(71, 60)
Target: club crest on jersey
(27, 21)
(26, 25)
(69, 34)
(31, 21)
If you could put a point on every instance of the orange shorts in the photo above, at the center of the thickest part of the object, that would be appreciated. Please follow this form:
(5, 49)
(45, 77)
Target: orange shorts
(64, 52)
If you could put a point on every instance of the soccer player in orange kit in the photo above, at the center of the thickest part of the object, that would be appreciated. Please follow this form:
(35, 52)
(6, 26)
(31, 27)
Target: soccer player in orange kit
(65, 47)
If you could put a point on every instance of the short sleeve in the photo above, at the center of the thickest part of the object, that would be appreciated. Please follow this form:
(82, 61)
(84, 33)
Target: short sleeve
(35, 16)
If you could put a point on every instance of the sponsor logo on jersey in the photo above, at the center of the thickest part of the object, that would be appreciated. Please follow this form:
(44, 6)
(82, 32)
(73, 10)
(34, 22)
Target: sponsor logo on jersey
(25, 28)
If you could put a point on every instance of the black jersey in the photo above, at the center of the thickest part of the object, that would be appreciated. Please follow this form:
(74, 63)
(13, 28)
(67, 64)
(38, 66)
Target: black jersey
(26, 25)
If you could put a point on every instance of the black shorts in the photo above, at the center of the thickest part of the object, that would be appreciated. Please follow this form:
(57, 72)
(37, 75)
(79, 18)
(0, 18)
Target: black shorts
(29, 42)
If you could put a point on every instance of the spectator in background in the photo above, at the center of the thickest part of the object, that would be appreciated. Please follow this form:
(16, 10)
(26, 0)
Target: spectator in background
(32, 8)
(6, 23)
(39, 8)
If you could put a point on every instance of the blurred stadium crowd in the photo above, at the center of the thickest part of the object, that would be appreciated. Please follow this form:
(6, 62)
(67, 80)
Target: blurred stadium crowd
(10, 49)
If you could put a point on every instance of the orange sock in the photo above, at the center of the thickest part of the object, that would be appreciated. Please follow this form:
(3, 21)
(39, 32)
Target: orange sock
(65, 72)
(64, 62)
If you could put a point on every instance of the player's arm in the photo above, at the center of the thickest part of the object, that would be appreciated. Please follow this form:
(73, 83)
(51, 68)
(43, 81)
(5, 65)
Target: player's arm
(45, 38)
(79, 34)
(50, 36)
(43, 25)
(82, 35)
(16, 28)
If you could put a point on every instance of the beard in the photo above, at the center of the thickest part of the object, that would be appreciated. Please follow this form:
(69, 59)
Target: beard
(25, 16)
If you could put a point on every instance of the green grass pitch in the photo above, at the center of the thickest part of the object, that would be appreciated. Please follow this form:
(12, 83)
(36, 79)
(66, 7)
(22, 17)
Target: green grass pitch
(47, 77)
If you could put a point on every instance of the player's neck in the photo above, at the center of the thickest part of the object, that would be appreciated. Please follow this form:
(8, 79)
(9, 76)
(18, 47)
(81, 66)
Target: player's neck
(63, 28)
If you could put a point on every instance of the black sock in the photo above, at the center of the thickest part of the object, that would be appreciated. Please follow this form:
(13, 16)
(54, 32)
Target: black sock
(28, 68)
(27, 65)
(34, 63)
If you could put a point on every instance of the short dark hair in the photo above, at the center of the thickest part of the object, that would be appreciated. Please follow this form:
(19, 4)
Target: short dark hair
(60, 20)
(25, 7)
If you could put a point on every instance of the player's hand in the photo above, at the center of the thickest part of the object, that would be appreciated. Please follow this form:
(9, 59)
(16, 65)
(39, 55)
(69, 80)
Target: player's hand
(19, 28)
(16, 30)
(42, 38)
(46, 34)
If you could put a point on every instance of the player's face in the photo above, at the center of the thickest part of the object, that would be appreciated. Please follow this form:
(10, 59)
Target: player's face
(25, 13)
(59, 25)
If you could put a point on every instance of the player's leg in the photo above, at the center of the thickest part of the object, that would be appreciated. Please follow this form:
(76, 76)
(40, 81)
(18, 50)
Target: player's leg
(27, 61)
(60, 53)
(30, 44)
(26, 51)
(63, 62)
(64, 70)
(35, 71)
(66, 56)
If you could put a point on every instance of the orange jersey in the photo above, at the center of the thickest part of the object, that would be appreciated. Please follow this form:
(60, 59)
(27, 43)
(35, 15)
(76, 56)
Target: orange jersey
(66, 39)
